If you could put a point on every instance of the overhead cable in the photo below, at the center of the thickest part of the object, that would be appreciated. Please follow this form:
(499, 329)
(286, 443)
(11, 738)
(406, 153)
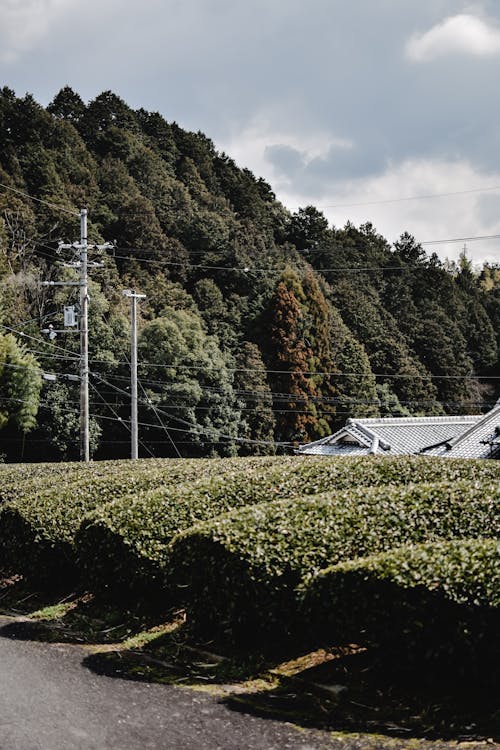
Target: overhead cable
(39, 200)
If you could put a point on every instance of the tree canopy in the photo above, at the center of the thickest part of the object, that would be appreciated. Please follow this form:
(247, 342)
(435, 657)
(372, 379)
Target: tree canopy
(261, 328)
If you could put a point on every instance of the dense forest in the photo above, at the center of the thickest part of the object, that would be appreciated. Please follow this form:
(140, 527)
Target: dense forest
(260, 329)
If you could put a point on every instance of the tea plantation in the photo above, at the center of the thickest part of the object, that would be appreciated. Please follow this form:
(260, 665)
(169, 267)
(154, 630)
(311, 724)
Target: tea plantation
(403, 553)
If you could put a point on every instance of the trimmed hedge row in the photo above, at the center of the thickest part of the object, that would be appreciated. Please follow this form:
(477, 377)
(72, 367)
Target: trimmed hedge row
(37, 529)
(433, 600)
(18, 480)
(133, 534)
(240, 572)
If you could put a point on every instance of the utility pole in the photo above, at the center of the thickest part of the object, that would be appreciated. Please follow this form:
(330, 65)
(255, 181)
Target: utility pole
(82, 247)
(84, 341)
(133, 371)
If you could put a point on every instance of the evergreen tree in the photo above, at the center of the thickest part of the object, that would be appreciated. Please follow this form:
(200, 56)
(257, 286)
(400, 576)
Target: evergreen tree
(252, 387)
(360, 327)
(290, 355)
(20, 385)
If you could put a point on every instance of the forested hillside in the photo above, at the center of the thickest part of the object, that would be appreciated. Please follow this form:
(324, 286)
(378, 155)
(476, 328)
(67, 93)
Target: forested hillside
(261, 327)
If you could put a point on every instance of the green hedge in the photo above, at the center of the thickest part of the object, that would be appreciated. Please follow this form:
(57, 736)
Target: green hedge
(240, 571)
(18, 480)
(44, 505)
(133, 534)
(37, 529)
(434, 600)
(258, 480)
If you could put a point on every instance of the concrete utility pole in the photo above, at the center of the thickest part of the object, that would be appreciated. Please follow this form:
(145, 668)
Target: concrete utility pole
(84, 341)
(82, 247)
(133, 371)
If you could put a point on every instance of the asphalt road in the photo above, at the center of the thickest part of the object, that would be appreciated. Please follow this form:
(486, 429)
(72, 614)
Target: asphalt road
(49, 701)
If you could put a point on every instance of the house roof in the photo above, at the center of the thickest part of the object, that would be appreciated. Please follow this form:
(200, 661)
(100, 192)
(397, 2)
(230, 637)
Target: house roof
(481, 440)
(394, 436)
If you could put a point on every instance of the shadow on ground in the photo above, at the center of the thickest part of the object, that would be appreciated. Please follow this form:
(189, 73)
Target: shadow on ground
(344, 689)
(69, 617)
(363, 692)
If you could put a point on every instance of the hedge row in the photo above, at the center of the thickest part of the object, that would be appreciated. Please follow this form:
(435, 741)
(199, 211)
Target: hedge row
(133, 535)
(298, 476)
(24, 479)
(434, 600)
(37, 529)
(239, 573)
(27, 479)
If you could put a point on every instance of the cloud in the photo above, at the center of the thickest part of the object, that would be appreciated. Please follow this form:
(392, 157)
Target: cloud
(278, 152)
(437, 218)
(461, 34)
(24, 22)
(277, 87)
(291, 168)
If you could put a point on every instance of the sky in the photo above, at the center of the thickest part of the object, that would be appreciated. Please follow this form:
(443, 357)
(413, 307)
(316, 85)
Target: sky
(336, 103)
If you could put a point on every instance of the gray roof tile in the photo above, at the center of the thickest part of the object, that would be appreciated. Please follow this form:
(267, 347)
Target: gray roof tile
(397, 435)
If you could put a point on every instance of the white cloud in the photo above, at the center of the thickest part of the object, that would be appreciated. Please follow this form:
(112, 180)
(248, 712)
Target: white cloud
(466, 215)
(252, 146)
(24, 22)
(427, 219)
(460, 34)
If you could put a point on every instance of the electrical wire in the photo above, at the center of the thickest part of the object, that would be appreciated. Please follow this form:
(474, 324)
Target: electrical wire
(409, 198)
(248, 269)
(197, 426)
(204, 368)
(160, 420)
(110, 407)
(247, 394)
(479, 238)
(152, 406)
(38, 340)
(39, 200)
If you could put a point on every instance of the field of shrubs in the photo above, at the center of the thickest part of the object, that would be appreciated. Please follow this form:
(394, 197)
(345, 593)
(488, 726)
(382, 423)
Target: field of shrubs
(403, 553)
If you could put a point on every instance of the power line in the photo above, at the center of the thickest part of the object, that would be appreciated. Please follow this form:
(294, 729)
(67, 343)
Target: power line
(313, 372)
(38, 340)
(249, 269)
(410, 198)
(259, 371)
(39, 200)
(160, 420)
(110, 407)
(200, 427)
(278, 271)
(478, 238)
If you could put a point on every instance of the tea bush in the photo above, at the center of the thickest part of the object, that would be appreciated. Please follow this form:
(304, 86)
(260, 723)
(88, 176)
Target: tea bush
(240, 571)
(37, 529)
(133, 533)
(437, 600)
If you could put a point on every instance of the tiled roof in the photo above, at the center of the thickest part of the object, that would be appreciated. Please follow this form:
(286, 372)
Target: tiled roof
(413, 434)
(481, 440)
(392, 435)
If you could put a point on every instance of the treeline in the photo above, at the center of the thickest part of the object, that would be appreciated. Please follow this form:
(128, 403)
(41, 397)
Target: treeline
(261, 328)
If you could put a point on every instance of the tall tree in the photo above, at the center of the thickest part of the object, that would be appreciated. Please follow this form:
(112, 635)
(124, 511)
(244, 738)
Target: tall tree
(290, 355)
(20, 385)
(254, 392)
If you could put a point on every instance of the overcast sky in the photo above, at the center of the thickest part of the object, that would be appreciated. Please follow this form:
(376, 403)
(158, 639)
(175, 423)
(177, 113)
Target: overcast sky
(334, 102)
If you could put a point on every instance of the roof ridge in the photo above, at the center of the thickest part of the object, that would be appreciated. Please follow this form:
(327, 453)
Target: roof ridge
(367, 421)
(495, 412)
